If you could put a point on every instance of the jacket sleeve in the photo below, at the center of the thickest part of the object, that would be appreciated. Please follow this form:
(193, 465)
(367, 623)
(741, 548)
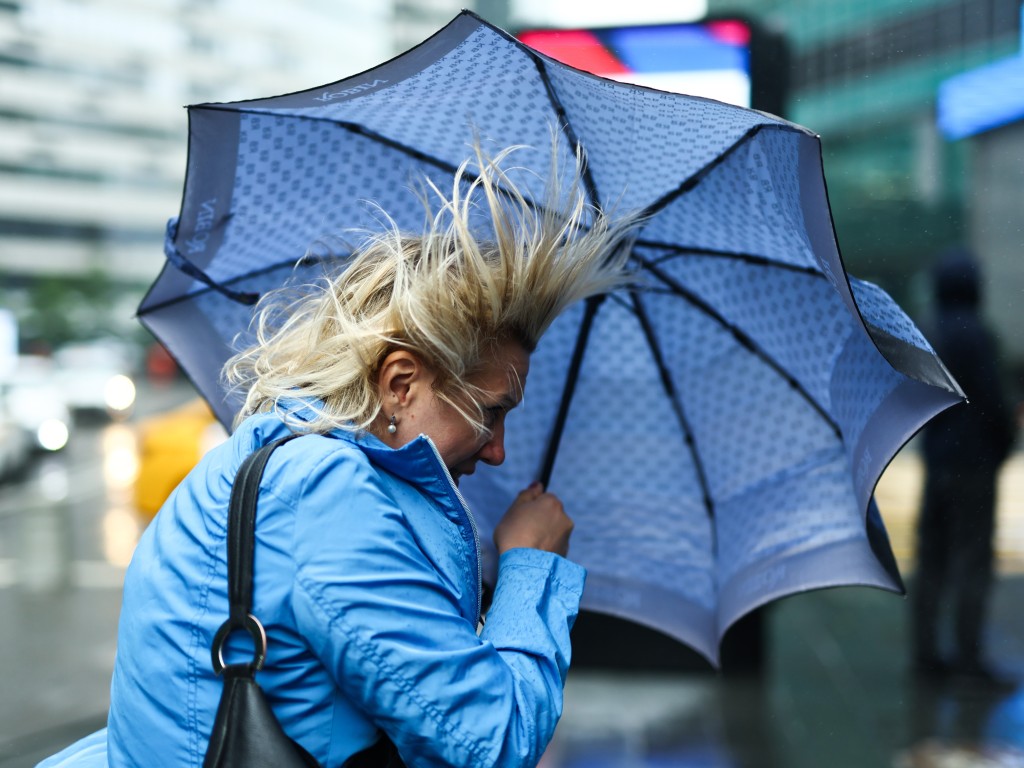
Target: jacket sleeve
(385, 620)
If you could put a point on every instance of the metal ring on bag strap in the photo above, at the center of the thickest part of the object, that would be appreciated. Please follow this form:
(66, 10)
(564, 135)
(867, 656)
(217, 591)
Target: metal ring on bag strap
(259, 637)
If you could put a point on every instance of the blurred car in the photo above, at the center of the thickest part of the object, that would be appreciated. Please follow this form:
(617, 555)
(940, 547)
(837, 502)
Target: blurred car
(96, 376)
(34, 399)
(169, 445)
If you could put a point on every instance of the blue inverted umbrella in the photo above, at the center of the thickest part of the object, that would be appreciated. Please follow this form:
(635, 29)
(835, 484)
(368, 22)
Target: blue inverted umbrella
(716, 433)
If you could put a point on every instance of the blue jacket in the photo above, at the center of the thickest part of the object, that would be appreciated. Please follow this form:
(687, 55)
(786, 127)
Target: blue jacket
(367, 579)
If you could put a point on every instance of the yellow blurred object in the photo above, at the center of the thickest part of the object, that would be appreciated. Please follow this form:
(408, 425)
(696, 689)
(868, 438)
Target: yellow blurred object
(170, 444)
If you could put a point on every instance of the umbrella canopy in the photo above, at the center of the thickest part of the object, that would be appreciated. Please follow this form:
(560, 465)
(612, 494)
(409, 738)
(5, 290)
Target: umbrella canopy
(717, 432)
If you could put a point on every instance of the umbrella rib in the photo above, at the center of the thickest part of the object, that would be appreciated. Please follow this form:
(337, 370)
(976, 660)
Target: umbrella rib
(571, 377)
(567, 129)
(467, 175)
(354, 128)
(305, 261)
(673, 396)
(741, 337)
(748, 258)
(702, 173)
(357, 129)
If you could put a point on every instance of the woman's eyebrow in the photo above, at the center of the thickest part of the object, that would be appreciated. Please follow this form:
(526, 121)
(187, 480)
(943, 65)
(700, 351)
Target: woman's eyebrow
(508, 401)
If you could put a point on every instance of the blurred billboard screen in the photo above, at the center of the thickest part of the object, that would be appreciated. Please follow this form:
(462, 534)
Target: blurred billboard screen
(982, 99)
(711, 58)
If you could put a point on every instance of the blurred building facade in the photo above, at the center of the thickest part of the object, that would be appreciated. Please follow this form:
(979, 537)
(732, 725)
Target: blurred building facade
(92, 127)
(865, 75)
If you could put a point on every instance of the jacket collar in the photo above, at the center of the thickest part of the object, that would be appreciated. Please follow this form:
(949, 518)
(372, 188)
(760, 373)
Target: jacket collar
(418, 462)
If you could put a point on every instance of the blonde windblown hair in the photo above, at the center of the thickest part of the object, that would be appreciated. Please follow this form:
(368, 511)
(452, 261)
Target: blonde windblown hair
(444, 294)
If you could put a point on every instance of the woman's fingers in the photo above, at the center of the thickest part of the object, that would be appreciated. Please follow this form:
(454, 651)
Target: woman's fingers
(536, 520)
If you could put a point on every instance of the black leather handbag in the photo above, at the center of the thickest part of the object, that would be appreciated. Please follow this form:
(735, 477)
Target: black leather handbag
(245, 731)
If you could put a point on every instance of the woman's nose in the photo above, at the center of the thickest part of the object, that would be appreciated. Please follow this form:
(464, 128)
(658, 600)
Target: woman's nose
(493, 451)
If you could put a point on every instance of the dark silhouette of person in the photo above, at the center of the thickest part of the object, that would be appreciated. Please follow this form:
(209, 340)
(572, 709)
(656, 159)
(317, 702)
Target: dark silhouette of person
(963, 449)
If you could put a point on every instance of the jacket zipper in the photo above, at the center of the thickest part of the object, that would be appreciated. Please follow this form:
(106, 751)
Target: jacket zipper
(472, 525)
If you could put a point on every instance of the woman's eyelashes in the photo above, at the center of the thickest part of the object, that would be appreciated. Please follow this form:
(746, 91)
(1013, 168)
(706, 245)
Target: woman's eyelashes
(493, 414)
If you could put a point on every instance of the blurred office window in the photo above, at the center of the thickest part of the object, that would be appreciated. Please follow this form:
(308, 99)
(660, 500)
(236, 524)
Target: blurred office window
(92, 126)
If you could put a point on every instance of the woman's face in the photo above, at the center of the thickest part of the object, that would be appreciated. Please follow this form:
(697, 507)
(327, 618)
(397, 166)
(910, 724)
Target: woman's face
(502, 380)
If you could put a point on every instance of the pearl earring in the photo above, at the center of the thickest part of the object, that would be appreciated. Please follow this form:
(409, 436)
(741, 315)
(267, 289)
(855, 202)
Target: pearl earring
(392, 428)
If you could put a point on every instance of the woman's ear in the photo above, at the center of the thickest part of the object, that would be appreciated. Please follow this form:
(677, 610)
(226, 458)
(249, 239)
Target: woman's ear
(400, 376)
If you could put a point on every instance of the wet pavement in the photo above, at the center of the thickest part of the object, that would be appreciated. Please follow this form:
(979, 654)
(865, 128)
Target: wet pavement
(834, 691)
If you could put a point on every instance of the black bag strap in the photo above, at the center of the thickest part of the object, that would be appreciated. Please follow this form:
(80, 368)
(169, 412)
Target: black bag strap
(241, 550)
(242, 526)
(241, 553)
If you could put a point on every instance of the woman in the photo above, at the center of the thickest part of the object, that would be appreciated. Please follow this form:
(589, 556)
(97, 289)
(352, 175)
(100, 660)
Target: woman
(402, 369)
